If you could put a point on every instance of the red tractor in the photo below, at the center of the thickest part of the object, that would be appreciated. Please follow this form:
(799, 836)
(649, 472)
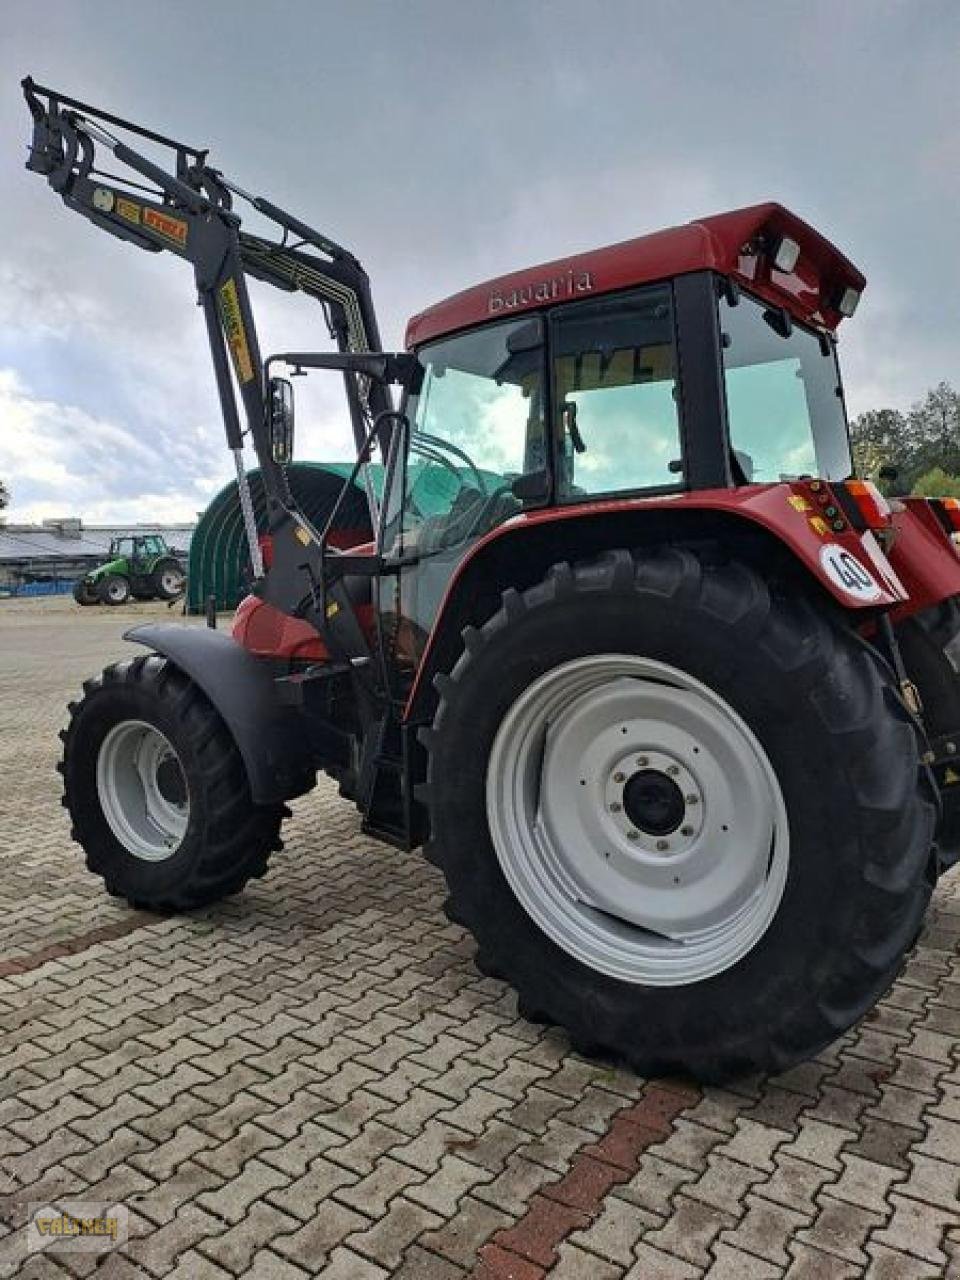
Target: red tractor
(662, 688)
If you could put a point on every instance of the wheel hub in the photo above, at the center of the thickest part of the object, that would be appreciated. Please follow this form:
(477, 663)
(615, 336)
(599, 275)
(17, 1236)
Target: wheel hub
(142, 790)
(653, 802)
(664, 861)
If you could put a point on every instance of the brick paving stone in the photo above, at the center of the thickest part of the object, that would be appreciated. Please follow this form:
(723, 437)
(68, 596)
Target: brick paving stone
(765, 1229)
(372, 1194)
(864, 1183)
(689, 1144)
(459, 1238)
(942, 1140)
(313, 1241)
(386, 1240)
(753, 1144)
(161, 1201)
(932, 1181)
(795, 1183)
(690, 1230)
(917, 1228)
(613, 1234)
(574, 1264)
(819, 1144)
(813, 1264)
(653, 1264)
(420, 1264)
(891, 1264)
(512, 1189)
(655, 1183)
(159, 1251)
(885, 1143)
(733, 1264)
(344, 1264)
(842, 1228)
(537, 1235)
(233, 1200)
(444, 1188)
(779, 1108)
(495, 1263)
(558, 1144)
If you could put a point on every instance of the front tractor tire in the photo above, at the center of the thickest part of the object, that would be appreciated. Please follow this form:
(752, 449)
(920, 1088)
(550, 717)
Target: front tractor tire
(157, 791)
(683, 815)
(167, 580)
(85, 592)
(114, 589)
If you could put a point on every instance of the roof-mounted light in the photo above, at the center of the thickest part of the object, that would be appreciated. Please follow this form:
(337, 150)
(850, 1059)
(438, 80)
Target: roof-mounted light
(847, 300)
(785, 254)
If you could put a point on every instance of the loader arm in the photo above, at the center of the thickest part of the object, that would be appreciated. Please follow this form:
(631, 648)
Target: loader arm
(185, 207)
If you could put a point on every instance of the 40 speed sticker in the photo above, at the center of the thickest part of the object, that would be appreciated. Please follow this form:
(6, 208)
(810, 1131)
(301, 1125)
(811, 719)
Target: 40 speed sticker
(846, 572)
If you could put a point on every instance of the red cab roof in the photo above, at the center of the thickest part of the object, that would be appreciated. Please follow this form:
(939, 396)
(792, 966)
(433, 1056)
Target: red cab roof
(736, 244)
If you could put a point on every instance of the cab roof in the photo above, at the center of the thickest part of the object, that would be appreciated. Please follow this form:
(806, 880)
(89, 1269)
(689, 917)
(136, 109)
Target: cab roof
(740, 244)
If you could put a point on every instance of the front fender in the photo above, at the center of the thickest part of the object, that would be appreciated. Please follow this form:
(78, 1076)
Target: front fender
(241, 687)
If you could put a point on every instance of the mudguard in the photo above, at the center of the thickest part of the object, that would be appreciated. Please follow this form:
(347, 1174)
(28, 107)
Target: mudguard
(241, 687)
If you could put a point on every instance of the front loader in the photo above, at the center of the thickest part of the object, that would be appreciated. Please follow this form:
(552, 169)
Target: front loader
(661, 687)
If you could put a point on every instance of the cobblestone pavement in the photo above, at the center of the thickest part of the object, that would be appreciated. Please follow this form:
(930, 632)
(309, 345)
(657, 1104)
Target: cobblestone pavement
(312, 1078)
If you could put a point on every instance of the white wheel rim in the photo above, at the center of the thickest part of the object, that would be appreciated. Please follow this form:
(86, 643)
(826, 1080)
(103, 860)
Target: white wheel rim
(171, 580)
(142, 790)
(117, 591)
(640, 903)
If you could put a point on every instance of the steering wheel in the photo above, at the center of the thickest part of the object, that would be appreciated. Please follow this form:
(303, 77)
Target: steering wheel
(437, 449)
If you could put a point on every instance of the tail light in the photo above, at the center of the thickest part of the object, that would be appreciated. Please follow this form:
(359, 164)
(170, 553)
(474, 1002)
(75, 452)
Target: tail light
(951, 509)
(870, 503)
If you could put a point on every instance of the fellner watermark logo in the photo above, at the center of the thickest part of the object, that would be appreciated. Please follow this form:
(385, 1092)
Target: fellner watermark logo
(76, 1227)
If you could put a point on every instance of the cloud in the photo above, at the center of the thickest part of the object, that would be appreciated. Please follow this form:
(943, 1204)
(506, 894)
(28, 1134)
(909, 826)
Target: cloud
(445, 143)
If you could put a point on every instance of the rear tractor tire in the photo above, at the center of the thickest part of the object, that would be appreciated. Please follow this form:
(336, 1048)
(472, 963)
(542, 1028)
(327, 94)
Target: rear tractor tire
(682, 815)
(114, 589)
(157, 791)
(167, 580)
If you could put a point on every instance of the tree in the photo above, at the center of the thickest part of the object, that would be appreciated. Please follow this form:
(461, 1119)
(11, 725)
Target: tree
(879, 437)
(934, 429)
(4, 498)
(936, 483)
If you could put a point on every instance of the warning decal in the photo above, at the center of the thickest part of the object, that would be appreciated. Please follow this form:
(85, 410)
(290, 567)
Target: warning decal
(173, 229)
(846, 572)
(128, 209)
(235, 332)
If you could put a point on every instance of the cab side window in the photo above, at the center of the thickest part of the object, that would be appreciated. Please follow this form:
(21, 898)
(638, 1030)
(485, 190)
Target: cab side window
(615, 395)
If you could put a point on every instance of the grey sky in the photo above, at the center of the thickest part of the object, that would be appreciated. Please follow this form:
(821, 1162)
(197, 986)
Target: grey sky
(446, 142)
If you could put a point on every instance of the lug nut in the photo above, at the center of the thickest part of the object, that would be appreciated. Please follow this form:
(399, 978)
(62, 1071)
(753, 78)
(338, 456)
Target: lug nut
(686, 831)
(642, 762)
(663, 844)
(673, 770)
(619, 777)
(615, 808)
(633, 835)
(692, 799)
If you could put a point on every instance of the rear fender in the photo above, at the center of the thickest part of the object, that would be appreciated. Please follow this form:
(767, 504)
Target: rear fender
(269, 736)
(788, 521)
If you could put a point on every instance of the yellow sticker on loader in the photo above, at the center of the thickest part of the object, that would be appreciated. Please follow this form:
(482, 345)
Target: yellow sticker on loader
(173, 229)
(235, 332)
(128, 209)
(819, 525)
(799, 503)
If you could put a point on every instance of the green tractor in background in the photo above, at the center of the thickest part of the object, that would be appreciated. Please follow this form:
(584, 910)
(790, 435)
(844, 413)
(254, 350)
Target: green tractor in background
(141, 566)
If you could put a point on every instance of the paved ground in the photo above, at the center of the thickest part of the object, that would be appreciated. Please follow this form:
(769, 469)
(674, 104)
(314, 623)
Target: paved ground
(312, 1079)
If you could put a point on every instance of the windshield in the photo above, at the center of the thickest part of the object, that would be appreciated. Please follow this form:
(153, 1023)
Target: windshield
(476, 427)
(784, 400)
